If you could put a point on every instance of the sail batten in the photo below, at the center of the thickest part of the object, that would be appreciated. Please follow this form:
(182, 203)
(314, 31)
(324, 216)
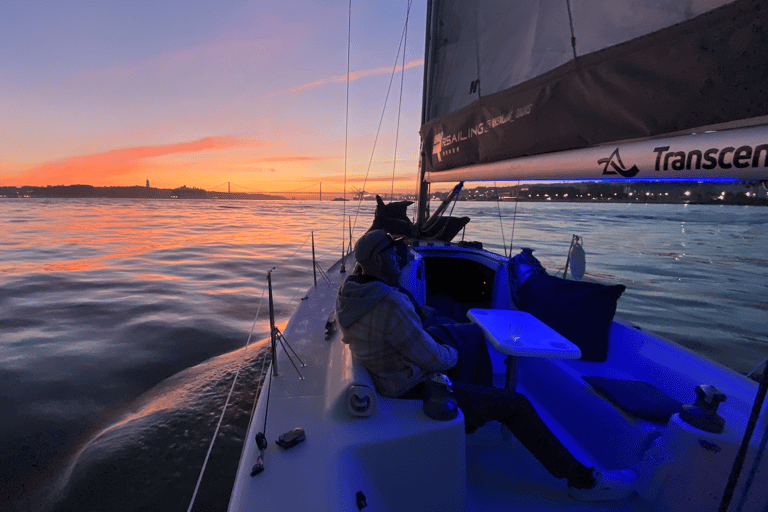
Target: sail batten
(503, 84)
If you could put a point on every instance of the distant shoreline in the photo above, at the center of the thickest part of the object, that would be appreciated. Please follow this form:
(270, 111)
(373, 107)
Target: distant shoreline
(645, 193)
(136, 192)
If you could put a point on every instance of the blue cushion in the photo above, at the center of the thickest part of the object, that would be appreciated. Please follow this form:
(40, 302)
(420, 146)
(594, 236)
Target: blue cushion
(582, 312)
(636, 397)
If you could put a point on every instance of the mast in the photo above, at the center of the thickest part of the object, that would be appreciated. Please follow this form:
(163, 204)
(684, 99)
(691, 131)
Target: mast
(423, 198)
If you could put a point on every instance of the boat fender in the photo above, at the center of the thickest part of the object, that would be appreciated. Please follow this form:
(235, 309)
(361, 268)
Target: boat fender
(439, 404)
(577, 258)
(703, 413)
(291, 438)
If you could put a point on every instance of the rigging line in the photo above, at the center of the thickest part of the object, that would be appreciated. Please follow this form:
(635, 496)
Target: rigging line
(501, 223)
(283, 342)
(381, 119)
(226, 404)
(346, 131)
(323, 274)
(477, 51)
(400, 105)
(445, 225)
(514, 218)
(573, 35)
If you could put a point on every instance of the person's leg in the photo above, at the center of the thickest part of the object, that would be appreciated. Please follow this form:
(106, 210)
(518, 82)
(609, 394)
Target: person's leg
(481, 404)
(474, 364)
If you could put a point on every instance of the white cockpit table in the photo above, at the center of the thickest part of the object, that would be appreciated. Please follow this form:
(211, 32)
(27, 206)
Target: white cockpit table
(520, 334)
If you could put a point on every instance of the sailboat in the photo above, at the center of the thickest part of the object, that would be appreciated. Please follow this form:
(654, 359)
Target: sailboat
(553, 90)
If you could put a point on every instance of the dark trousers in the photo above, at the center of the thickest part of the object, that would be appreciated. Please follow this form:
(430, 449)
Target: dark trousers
(480, 402)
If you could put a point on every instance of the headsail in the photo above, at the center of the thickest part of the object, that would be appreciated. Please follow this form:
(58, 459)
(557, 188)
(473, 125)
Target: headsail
(596, 89)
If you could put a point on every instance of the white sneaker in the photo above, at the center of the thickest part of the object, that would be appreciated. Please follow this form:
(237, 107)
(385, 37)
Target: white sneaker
(609, 486)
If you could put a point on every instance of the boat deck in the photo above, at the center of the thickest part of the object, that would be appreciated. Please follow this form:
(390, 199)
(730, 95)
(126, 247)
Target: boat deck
(503, 475)
(403, 460)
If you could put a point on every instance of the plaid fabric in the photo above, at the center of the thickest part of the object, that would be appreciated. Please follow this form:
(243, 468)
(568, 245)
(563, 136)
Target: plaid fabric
(391, 343)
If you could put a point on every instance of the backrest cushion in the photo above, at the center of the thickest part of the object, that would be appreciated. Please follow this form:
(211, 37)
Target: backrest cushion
(580, 311)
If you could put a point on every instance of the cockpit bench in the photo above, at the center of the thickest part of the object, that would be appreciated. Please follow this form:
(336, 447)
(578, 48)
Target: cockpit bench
(392, 441)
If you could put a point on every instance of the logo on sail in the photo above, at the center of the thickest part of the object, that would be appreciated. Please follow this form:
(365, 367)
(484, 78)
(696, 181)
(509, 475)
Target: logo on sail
(451, 144)
(437, 146)
(615, 163)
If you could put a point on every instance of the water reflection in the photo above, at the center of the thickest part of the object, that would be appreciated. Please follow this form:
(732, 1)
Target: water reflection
(103, 300)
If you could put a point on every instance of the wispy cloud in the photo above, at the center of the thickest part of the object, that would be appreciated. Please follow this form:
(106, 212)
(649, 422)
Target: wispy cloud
(357, 75)
(119, 162)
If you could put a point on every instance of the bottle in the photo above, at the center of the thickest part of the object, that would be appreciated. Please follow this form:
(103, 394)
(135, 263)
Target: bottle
(439, 404)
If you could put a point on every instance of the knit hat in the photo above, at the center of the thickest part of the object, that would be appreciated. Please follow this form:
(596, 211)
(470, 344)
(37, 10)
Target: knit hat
(371, 243)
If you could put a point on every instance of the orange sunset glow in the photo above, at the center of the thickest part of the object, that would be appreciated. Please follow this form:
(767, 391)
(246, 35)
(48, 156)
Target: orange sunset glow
(235, 95)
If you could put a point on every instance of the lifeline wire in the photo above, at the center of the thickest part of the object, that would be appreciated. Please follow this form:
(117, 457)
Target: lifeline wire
(234, 381)
(226, 404)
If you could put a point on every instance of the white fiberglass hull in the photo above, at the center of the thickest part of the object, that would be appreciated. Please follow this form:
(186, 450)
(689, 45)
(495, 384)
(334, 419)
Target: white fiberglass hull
(399, 459)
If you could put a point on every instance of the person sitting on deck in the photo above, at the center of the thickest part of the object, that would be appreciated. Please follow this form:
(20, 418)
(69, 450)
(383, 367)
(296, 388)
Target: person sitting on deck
(380, 322)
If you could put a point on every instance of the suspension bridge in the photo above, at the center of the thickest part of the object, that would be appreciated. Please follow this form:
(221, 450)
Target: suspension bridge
(311, 192)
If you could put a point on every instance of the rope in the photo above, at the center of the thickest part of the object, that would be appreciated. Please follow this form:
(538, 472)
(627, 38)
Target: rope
(501, 224)
(224, 409)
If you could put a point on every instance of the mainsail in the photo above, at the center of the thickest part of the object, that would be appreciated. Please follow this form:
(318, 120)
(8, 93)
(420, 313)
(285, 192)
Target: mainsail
(595, 89)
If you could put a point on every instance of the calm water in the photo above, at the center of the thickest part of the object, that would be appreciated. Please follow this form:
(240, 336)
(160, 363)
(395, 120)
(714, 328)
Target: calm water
(122, 323)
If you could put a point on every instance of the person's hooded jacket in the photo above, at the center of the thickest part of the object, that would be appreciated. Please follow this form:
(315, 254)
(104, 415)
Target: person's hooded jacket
(385, 334)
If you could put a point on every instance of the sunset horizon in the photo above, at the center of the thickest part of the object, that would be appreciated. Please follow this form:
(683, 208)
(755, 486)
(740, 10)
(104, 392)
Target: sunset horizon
(205, 95)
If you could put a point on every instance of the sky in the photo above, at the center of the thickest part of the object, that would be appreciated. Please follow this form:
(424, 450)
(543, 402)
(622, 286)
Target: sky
(202, 93)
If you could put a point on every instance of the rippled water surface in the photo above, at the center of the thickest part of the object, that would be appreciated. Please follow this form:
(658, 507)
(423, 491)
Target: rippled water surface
(123, 322)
